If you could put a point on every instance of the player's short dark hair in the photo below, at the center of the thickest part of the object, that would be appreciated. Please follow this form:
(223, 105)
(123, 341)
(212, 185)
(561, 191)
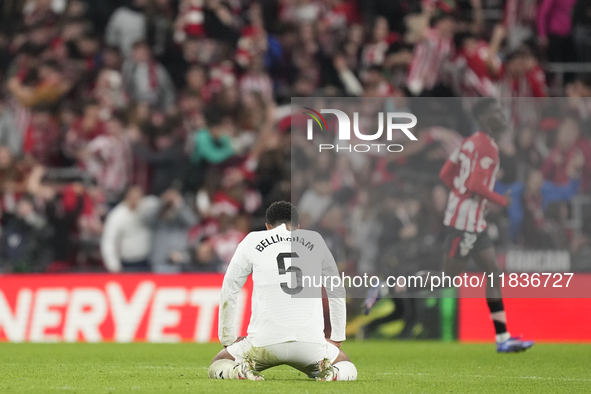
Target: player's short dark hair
(282, 212)
(482, 106)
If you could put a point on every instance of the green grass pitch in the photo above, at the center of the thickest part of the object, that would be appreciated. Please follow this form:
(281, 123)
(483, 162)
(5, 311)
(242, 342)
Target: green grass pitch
(384, 367)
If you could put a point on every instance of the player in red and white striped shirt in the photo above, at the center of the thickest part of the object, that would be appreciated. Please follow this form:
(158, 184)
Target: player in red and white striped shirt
(470, 173)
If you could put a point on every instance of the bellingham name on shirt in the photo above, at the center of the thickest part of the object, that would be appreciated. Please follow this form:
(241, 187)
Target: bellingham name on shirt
(273, 239)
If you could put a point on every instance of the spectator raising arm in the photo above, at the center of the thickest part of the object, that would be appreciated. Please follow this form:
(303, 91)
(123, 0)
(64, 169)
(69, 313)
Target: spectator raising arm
(492, 61)
(348, 79)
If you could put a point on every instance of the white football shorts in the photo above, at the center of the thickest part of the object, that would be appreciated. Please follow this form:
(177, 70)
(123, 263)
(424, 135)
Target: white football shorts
(303, 356)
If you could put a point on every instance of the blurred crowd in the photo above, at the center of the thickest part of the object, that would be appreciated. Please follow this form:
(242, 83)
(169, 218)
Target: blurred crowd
(382, 213)
(151, 135)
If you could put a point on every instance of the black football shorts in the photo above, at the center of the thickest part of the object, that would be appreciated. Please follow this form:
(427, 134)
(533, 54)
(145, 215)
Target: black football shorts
(461, 244)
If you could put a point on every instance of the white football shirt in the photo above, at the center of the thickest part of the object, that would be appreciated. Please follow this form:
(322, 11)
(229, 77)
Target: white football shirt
(287, 267)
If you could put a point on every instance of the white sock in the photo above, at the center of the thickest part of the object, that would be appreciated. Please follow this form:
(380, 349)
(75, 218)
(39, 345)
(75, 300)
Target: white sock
(223, 369)
(345, 370)
(502, 337)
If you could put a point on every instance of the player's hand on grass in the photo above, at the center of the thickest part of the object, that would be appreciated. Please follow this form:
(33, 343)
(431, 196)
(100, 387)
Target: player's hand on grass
(337, 344)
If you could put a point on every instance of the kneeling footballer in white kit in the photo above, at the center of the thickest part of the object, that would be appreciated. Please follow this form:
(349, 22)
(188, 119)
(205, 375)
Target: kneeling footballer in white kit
(287, 323)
